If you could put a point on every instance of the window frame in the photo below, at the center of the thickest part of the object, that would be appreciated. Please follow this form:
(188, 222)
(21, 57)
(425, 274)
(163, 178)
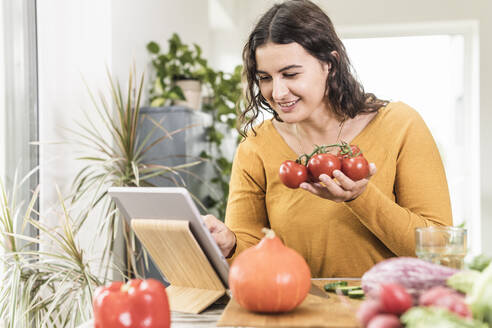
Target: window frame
(19, 119)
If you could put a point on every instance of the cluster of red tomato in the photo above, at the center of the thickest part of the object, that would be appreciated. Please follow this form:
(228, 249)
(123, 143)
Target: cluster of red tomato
(349, 160)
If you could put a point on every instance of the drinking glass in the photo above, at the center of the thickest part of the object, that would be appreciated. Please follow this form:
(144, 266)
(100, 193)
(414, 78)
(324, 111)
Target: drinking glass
(441, 245)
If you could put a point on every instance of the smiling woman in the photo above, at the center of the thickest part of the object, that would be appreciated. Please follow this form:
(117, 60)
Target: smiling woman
(283, 83)
(342, 226)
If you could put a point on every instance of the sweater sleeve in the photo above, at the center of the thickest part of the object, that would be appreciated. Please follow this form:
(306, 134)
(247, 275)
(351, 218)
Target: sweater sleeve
(246, 210)
(420, 189)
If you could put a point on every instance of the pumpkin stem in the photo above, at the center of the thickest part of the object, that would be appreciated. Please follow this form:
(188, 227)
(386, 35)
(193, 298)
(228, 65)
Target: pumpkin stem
(269, 233)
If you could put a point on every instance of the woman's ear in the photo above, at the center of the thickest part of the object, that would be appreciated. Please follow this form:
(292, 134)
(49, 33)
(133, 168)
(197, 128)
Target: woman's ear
(337, 58)
(335, 54)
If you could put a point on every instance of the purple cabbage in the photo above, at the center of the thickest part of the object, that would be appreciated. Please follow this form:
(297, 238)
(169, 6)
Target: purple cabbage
(412, 273)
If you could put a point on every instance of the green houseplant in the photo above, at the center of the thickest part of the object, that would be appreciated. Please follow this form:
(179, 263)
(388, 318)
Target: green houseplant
(119, 161)
(47, 279)
(175, 70)
(222, 103)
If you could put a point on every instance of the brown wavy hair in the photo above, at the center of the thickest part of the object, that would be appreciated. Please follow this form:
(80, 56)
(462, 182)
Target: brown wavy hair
(304, 22)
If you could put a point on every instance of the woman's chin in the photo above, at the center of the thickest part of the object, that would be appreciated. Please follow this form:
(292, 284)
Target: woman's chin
(290, 121)
(289, 117)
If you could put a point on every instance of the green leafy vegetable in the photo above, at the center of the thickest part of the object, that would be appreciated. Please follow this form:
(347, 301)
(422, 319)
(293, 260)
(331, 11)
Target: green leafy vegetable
(425, 317)
(463, 281)
(480, 262)
(480, 298)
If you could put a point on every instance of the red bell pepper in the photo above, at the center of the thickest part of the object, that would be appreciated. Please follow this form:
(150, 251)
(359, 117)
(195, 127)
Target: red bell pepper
(136, 304)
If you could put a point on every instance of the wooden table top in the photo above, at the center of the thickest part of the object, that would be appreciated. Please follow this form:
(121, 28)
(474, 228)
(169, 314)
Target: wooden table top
(211, 316)
(207, 318)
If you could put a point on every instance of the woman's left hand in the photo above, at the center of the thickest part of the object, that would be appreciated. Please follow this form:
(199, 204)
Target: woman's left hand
(340, 190)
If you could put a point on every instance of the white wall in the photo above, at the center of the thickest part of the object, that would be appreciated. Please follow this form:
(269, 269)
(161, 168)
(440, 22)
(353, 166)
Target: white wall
(135, 23)
(355, 13)
(77, 40)
(73, 44)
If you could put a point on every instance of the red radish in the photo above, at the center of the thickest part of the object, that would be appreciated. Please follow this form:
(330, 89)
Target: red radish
(385, 321)
(368, 310)
(394, 298)
(446, 298)
(431, 296)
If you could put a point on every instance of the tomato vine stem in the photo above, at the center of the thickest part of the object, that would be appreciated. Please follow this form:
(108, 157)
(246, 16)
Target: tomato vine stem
(317, 150)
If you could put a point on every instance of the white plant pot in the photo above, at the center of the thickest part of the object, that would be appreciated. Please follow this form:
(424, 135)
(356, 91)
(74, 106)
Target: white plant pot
(192, 90)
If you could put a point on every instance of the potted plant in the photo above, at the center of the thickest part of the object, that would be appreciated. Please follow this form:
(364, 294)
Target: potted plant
(179, 74)
(221, 135)
(47, 279)
(217, 138)
(121, 160)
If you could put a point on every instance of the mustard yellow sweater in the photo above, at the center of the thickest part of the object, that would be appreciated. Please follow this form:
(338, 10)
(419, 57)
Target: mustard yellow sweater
(409, 190)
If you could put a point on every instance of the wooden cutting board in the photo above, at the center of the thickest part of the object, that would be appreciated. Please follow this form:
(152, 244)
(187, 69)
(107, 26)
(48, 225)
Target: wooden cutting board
(315, 311)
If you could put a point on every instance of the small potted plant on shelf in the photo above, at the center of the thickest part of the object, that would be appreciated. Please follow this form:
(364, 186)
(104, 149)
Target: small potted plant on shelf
(179, 74)
(221, 135)
(217, 139)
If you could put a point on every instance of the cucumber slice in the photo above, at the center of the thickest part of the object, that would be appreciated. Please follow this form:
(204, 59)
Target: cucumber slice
(346, 289)
(357, 293)
(332, 286)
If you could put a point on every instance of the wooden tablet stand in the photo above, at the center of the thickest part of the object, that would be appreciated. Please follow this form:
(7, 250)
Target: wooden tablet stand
(194, 283)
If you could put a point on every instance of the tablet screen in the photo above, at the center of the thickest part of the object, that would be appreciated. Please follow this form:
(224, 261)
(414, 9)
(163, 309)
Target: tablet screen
(170, 203)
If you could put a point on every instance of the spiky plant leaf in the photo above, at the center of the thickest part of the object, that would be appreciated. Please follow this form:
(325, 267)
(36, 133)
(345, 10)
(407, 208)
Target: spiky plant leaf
(113, 153)
(41, 288)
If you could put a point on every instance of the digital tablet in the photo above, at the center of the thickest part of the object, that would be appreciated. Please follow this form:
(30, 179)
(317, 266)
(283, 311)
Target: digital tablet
(170, 203)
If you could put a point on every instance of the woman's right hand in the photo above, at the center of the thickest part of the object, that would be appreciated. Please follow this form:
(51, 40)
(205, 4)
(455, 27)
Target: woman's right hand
(343, 189)
(223, 236)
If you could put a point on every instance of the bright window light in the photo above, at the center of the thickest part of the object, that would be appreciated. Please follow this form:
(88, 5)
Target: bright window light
(427, 73)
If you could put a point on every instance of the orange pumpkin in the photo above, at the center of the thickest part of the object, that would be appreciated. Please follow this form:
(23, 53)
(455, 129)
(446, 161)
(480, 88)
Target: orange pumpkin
(269, 277)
